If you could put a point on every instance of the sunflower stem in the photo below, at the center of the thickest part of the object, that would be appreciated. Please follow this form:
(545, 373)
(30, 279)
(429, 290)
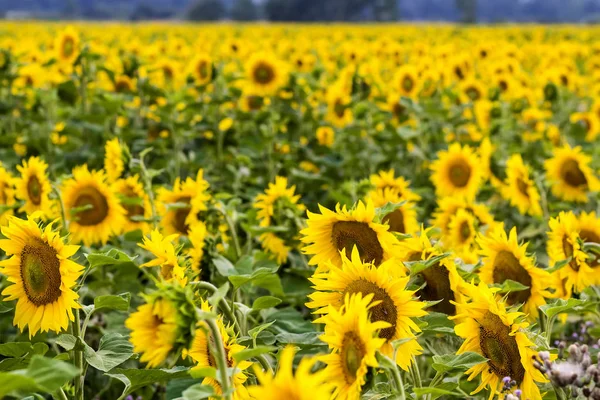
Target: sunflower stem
(416, 375)
(222, 304)
(398, 381)
(63, 215)
(78, 357)
(60, 395)
(264, 363)
(234, 237)
(220, 358)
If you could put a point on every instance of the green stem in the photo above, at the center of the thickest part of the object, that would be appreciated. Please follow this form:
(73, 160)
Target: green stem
(148, 187)
(234, 237)
(60, 395)
(63, 214)
(416, 375)
(264, 363)
(220, 358)
(398, 381)
(222, 304)
(78, 357)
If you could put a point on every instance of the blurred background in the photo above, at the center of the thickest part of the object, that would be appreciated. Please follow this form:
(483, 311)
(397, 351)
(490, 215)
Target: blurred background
(469, 11)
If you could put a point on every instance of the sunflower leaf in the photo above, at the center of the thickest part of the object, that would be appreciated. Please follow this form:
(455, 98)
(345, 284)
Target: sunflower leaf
(198, 392)
(418, 266)
(118, 302)
(251, 353)
(137, 378)
(564, 306)
(510, 286)
(114, 349)
(265, 302)
(444, 389)
(462, 361)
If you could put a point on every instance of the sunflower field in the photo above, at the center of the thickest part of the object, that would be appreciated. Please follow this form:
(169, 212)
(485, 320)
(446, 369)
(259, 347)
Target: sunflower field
(299, 212)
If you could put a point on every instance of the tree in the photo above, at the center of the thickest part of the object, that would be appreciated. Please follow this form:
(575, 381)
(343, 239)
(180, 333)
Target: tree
(468, 9)
(206, 10)
(386, 10)
(244, 10)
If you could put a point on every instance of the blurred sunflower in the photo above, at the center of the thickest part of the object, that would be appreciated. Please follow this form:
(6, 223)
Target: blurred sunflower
(197, 235)
(339, 112)
(91, 207)
(277, 196)
(136, 203)
(570, 175)
(33, 187)
(7, 195)
(202, 69)
(520, 189)
(163, 250)
(41, 274)
(67, 45)
(113, 159)
(265, 74)
(387, 180)
(456, 172)
(403, 219)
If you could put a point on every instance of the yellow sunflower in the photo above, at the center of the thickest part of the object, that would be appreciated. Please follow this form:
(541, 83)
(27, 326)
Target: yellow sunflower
(136, 203)
(564, 243)
(91, 207)
(404, 218)
(589, 122)
(7, 196)
(278, 192)
(113, 160)
(33, 187)
(456, 172)
(154, 330)
(330, 232)
(276, 246)
(589, 231)
(202, 69)
(165, 256)
(448, 207)
(179, 207)
(498, 335)
(202, 354)
(520, 189)
(406, 81)
(67, 45)
(265, 74)
(387, 180)
(301, 385)
(396, 304)
(504, 258)
(339, 112)
(123, 84)
(41, 274)
(197, 235)
(462, 231)
(570, 174)
(353, 339)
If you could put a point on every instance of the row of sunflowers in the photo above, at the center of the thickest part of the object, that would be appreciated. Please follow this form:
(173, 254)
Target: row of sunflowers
(310, 212)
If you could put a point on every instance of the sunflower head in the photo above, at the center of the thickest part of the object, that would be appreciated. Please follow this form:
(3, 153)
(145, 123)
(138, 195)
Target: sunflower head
(457, 172)
(265, 74)
(519, 188)
(67, 45)
(570, 175)
(33, 187)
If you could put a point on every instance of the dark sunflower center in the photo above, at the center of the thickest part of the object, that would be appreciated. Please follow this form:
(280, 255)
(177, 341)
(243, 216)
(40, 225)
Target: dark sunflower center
(263, 73)
(473, 93)
(132, 209)
(254, 102)
(507, 266)
(503, 84)
(408, 83)
(202, 69)
(589, 236)
(339, 109)
(437, 279)
(122, 86)
(384, 311)
(181, 215)
(34, 190)
(585, 124)
(460, 172)
(465, 231)
(347, 234)
(395, 220)
(500, 348)
(40, 273)
(568, 250)
(459, 73)
(523, 187)
(94, 206)
(572, 174)
(68, 46)
(167, 72)
(399, 110)
(351, 353)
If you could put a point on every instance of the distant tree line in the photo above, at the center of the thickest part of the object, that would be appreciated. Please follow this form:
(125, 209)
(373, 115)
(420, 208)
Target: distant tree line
(469, 11)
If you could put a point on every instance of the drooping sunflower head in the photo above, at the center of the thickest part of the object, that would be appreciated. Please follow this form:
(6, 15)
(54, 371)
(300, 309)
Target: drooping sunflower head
(588, 122)
(202, 69)
(330, 232)
(275, 246)
(180, 206)
(403, 217)
(33, 187)
(569, 172)
(500, 336)
(456, 172)
(265, 74)
(395, 305)
(462, 231)
(387, 180)
(353, 340)
(91, 207)
(520, 189)
(67, 45)
(41, 274)
(276, 198)
(136, 203)
(339, 112)
(197, 235)
(165, 256)
(504, 259)
(113, 159)
(123, 84)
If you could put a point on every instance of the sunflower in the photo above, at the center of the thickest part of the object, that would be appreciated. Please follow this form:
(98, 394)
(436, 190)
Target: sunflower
(520, 189)
(197, 235)
(179, 207)
(570, 174)
(387, 180)
(399, 113)
(462, 231)
(154, 330)
(404, 217)
(504, 258)
(448, 207)
(457, 172)
(113, 159)
(202, 354)
(163, 250)
(472, 90)
(135, 201)
(91, 207)
(589, 122)
(67, 45)
(397, 306)
(564, 243)
(353, 339)
(325, 136)
(7, 196)
(202, 69)
(123, 84)
(339, 112)
(33, 187)
(265, 74)
(589, 232)
(41, 274)
(330, 232)
(250, 102)
(276, 246)
(498, 335)
(301, 385)
(277, 195)
(406, 81)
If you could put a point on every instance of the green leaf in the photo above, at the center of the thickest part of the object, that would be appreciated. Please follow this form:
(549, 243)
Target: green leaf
(558, 265)
(254, 332)
(462, 361)
(118, 302)
(137, 378)
(251, 353)
(562, 306)
(265, 302)
(112, 257)
(444, 389)
(114, 349)
(5, 307)
(198, 391)
(417, 266)
(307, 339)
(15, 349)
(204, 372)
(435, 323)
(510, 286)
(224, 266)
(218, 295)
(388, 208)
